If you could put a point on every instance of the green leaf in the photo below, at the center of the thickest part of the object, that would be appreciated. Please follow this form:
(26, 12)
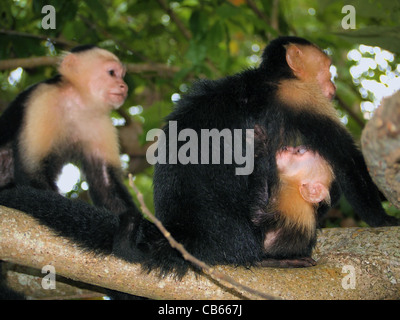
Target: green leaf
(197, 52)
(227, 11)
(215, 35)
(198, 24)
(382, 36)
(98, 10)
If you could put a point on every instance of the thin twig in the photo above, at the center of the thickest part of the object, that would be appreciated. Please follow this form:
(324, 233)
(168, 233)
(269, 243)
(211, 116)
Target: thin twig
(95, 27)
(258, 12)
(181, 26)
(228, 281)
(35, 62)
(352, 114)
(275, 15)
(58, 41)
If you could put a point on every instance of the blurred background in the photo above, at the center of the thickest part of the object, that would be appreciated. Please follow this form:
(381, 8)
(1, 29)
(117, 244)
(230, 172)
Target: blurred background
(167, 45)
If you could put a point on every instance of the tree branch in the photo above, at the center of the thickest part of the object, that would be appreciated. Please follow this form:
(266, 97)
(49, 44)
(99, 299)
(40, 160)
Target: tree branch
(25, 63)
(108, 35)
(275, 15)
(376, 266)
(257, 12)
(350, 112)
(181, 26)
(59, 41)
(159, 68)
(380, 143)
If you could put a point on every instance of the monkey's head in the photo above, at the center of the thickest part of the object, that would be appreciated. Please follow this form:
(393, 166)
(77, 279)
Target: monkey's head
(293, 57)
(97, 74)
(307, 171)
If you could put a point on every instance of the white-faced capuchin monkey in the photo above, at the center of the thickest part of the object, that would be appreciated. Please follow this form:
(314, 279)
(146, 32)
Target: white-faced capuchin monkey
(305, 180)
(223, 218)
(66, 119)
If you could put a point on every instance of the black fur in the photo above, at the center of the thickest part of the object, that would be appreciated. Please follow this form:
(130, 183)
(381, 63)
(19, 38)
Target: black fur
(218, 216)
(83, 48)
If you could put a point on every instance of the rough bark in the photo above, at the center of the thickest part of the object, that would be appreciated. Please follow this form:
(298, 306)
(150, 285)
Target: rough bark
(373, 254)
(381, 148)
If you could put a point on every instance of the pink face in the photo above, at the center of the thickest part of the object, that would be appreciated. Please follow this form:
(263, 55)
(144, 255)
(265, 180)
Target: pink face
(317, 68)
(309, 170)
(291, 160)
(322, 64)
(323, 78)
(107, 83)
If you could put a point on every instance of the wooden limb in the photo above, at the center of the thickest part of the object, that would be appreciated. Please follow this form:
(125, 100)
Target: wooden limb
(158, 68)
(372, 252)
(381, 148)
(29, 281)
(25, 63)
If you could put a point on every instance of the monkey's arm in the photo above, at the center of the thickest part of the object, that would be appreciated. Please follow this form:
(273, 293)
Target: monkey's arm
(337, 146)
(11, 119)
(361, 192)
(10, 123)
(106, 186)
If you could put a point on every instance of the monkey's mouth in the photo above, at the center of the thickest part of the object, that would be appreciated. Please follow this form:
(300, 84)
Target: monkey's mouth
(118, 95)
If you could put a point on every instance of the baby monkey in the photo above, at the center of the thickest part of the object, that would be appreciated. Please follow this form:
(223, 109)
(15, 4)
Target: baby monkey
(304, 183)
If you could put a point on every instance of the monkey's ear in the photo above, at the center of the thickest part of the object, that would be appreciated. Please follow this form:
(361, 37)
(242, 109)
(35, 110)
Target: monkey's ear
(314, 192)
(68, 64)
(294, 58)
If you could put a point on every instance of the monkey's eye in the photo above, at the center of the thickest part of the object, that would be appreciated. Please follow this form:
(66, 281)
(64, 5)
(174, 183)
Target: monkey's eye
(111, 73)
(301, 150)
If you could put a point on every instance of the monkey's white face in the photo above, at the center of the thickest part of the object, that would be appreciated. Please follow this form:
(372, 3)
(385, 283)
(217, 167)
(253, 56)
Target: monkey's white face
(107, 84)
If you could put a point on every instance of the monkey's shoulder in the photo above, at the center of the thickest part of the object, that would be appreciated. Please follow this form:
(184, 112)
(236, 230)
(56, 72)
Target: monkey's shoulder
(231, 98)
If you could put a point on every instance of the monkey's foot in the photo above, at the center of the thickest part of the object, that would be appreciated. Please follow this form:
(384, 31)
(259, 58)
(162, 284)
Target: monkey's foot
(287, 263)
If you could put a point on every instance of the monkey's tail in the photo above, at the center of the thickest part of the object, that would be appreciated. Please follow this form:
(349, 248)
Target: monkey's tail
(127, 236)
(91, 227)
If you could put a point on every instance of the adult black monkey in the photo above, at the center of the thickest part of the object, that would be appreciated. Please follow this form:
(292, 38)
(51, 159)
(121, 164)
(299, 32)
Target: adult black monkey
(221, 217)
(224, 218)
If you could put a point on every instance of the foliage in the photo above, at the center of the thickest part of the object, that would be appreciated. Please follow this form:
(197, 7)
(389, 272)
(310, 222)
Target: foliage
(200, 38)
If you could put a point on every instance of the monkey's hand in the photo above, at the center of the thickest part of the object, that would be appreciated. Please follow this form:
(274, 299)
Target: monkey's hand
(389, 221)
(125, 235)
(260, 140)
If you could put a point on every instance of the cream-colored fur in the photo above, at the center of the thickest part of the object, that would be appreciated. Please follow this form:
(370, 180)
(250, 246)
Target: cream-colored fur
(53, 119)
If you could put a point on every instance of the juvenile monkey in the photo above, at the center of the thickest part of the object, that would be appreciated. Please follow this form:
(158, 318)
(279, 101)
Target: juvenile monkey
(66, 119)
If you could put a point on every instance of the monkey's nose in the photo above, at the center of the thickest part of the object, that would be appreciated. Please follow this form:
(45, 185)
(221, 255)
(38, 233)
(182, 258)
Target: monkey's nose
(124, 87)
